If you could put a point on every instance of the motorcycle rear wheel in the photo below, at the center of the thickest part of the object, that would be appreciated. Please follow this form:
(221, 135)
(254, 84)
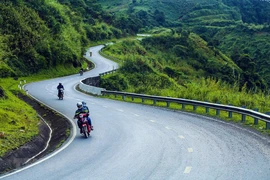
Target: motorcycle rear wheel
(85, 131)
(61, 97)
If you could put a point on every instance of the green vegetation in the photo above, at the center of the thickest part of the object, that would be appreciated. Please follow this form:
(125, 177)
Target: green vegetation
(41, 39)
(214, 50)
(233, 27)
(235, 117)
(185, 66)
(18, 121)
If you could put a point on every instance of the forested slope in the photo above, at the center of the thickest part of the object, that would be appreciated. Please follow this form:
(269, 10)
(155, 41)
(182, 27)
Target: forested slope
(41, 39)
(39, 34)
(237, 28)
(226, 41)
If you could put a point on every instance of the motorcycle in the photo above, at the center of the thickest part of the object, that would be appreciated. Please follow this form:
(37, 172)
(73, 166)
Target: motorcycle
(81, 72)
(85, 127)
(61, 94)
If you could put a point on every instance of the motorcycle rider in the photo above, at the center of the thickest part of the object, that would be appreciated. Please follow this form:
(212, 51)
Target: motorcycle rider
(77, 113)
(81, 71)
(86, 110)
(59, 87)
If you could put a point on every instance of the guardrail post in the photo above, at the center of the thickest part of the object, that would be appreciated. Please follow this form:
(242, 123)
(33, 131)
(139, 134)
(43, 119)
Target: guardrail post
(183, 106)
(194, 108)
(168, 104)
(142, 100)
(217, 111)
(115, 96)
(267, 123)
(229, 113)
(207, 110)
(124, 98)
(154, 102)
(132, 97)
(243, 116)
(256, 120)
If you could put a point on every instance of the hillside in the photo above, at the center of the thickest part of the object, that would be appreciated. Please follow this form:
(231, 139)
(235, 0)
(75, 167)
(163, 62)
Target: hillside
(234, 27)
(38, 35)
(247, 11)
(225, 40)
(41, 39)
(179, 59)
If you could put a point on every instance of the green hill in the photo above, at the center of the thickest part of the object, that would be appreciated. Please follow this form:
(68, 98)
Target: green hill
(182, 58)
(226, 40)
(248, 11)
(234, 27)
(42, 39)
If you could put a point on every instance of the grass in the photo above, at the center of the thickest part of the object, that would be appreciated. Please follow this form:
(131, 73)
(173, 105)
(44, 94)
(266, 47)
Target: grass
(204, 89)
(19, 122)
(223, 115)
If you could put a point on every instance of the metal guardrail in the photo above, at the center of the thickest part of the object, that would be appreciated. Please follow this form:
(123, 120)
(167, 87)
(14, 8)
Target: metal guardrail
(230, 109)
(108, 72)
(218, 107)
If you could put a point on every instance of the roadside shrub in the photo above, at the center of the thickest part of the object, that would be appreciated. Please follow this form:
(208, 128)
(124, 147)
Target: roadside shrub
(115, 82)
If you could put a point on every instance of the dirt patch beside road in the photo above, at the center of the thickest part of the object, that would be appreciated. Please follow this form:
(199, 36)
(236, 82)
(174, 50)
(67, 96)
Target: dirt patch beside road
(60, 127)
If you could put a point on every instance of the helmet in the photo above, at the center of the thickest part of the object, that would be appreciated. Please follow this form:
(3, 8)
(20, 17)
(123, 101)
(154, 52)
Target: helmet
(83, 103)
(79, 105)
(60, 83)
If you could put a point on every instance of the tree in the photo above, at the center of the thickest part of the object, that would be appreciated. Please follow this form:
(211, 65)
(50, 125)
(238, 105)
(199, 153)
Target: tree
(249, 75)
(159, 16)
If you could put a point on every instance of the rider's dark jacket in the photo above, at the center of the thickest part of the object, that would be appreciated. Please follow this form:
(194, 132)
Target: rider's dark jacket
(59, 87)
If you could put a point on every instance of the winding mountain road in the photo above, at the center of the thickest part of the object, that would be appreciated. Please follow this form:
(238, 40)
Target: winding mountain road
(139, 142)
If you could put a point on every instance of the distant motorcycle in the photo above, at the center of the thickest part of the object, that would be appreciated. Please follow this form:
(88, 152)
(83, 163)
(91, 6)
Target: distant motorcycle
(61, 94)
(85, 127)
(81, 72)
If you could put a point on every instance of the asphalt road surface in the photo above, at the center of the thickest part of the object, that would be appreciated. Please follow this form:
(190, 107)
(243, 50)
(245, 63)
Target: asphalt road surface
(139, 142)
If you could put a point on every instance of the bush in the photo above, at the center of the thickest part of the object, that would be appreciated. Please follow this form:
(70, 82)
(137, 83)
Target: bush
(115, 82)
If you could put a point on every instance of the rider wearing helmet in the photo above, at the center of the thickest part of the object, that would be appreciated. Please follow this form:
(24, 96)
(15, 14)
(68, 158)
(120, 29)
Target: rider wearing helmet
(59, 87)
(78, 112)
(86, 110)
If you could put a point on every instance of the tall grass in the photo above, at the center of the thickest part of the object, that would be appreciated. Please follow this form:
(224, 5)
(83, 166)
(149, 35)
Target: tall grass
(19, 122)
(214, 91)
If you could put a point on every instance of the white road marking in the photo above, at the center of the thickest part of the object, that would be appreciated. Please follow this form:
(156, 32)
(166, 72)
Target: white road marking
(168, 128)
(187, 170)
(120, 110)
(190, 150)
(152, 121)
(181, 137)
(52, 154)
(47, 87)
(136, 115)
(105, 106)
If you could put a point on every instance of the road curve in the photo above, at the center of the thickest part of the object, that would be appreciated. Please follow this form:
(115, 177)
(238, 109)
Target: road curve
(137, 142)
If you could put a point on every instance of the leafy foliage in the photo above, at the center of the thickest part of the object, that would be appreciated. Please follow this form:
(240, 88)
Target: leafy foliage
(43, 34)
(171, 61)
(41, 39)
(151, 74)
(233, 27)
(18, 123)
(215, 50)
(115, 82)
